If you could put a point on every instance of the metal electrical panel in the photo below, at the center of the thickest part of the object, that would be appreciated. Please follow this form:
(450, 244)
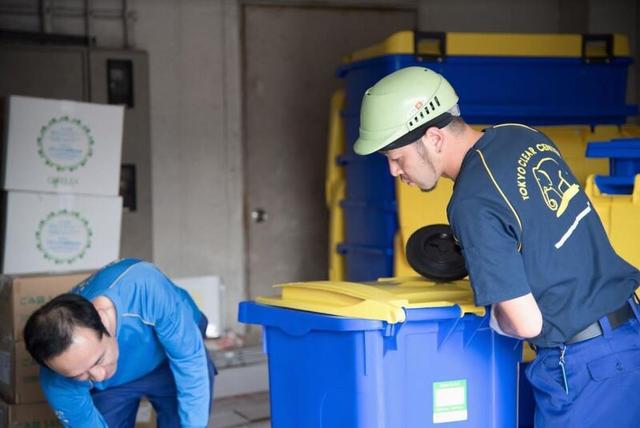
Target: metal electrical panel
(120, 82)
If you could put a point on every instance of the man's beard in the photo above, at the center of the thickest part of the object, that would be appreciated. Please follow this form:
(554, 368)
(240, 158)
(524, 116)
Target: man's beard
(431, 167)
(429, 189)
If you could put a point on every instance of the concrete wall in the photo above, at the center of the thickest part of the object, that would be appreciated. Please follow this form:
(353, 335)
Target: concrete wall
(196, 174)
(619, 16)
(489, 15)
(541, 16)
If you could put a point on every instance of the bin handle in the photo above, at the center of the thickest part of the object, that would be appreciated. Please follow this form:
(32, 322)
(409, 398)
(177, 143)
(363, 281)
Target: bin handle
(470, 332)
(592, 48)
(430, 45)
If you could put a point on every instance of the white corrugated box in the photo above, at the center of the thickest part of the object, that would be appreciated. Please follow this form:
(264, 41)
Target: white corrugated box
(62, 146)
(46, 232)
(207, 292)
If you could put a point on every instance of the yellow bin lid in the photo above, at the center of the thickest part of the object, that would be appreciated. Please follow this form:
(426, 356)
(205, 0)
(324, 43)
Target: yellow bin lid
(384, 300)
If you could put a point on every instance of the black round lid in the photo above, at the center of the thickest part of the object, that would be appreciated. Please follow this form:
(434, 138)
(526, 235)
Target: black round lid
(433, 253)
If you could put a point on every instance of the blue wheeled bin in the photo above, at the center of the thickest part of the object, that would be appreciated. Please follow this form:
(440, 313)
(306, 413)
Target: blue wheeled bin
(395, 362)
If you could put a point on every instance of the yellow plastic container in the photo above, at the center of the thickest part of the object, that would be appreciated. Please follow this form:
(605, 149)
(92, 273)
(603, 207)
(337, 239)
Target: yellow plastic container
(335, 175)
(337, 265)
(572, 143)
(335, 187)
(620, 215)
(400, 264)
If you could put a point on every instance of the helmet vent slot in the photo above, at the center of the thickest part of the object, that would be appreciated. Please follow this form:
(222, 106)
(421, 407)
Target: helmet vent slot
(436, 100)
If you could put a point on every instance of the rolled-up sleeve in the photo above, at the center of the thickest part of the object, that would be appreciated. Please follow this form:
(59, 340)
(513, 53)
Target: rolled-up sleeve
(489, 235)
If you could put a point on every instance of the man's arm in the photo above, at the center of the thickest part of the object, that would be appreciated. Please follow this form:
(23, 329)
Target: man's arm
(491, 238)
(179, 334)
(70, 400)
(519, 317)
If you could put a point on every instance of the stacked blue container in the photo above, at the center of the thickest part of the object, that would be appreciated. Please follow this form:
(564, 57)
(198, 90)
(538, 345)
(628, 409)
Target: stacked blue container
(624, 164)
(541, 90)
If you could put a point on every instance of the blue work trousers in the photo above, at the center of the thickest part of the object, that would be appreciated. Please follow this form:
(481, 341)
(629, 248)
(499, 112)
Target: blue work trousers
(600, 383)
(119, 405)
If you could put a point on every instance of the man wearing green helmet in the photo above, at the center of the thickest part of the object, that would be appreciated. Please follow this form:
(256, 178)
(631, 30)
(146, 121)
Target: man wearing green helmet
(535, 250)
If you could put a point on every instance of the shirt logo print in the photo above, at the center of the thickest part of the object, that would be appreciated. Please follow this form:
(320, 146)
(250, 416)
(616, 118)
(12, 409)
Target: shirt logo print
(553, 182)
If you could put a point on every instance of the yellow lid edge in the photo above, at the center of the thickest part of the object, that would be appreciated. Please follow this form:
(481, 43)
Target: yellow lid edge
(491, 44)
(369, 309)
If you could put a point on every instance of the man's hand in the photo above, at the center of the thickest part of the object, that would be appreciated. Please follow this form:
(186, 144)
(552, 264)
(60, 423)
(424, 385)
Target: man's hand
(519, 317)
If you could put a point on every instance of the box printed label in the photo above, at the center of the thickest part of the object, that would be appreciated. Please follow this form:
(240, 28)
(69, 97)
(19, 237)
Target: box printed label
(63, 236)
(65, 143)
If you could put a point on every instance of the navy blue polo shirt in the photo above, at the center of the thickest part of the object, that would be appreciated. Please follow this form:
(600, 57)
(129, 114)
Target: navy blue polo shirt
(525, 225)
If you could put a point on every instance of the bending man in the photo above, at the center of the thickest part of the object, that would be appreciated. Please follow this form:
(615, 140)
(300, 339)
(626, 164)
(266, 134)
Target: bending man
(124, 333)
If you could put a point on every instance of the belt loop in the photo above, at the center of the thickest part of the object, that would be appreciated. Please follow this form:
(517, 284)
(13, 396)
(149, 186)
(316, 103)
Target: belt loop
(606, 326)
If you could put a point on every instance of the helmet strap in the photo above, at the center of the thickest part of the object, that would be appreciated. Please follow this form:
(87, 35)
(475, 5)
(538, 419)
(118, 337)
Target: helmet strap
(412, 136)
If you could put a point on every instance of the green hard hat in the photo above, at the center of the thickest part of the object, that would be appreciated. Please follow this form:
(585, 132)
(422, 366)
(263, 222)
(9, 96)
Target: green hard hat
(399, 107)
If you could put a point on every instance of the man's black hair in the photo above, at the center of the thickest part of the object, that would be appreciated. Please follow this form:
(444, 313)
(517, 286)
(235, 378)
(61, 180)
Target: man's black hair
(49, 330)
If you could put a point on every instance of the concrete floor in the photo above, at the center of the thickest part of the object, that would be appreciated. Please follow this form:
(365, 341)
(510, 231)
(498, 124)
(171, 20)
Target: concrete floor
(241, 400)
(244, 411)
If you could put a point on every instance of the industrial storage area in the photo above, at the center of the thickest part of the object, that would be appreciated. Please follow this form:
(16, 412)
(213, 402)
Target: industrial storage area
(358, 214)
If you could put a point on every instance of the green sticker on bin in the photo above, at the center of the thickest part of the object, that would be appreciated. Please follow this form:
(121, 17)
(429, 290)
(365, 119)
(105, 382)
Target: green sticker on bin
(450, 401)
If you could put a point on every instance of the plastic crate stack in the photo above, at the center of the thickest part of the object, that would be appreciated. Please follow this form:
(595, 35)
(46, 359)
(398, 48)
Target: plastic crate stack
(536, 79)
(616, 197)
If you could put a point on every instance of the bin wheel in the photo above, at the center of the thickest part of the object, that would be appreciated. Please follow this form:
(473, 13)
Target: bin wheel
(433, 253)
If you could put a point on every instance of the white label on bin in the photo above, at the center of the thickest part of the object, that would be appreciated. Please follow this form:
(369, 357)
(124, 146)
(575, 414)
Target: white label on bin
(449, 401)
(5, 367)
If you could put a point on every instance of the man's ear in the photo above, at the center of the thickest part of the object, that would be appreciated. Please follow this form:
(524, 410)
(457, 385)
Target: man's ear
(435, 137)
(105, 320)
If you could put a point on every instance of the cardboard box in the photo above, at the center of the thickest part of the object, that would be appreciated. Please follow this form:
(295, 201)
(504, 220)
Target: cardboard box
(20, 296)
(19, 374)
(37, 415)
(45, 232)
(40, 415)
(207, 292)
(62, 146)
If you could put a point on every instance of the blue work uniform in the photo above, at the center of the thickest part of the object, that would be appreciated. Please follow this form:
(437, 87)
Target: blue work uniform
(526, 226)
(159, 330)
